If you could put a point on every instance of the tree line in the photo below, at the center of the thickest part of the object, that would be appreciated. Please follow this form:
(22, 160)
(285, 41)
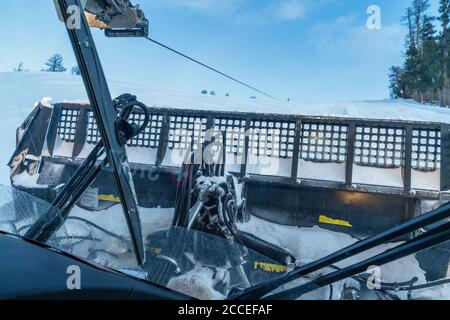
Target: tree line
(424, 74)
(53, 64)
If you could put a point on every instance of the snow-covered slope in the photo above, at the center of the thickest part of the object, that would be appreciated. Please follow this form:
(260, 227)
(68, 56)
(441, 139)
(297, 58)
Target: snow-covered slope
(21, 90)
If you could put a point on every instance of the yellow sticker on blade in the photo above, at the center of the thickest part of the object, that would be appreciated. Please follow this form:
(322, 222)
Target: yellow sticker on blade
(108, 197)
(156, 250)
(269, 267)
(335, 222)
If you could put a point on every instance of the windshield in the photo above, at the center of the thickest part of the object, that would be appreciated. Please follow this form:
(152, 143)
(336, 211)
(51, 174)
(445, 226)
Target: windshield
(214, 148)
(202, 262)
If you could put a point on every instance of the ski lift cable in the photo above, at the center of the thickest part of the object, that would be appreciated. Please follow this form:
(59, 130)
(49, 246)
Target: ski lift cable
(211, 68)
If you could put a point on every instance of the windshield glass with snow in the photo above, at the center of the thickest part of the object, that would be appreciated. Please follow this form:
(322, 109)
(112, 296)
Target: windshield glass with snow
(251, 138)
(203, 265)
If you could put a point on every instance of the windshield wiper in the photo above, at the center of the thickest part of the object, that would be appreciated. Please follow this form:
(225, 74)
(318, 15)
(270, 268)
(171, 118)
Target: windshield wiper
(114, 132)
(427, 240)
(431, 238)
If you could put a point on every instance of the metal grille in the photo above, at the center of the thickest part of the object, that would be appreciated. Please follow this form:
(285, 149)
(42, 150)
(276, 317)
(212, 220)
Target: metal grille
(149, 138)
(379, 147)
(67, 124)
(93, 135)
(426, 148)
(185, 130)
(272, 138)
(323, 142)
(235, 134)
(377, 144)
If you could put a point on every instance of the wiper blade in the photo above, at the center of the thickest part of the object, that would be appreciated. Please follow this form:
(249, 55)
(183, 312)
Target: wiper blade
(427, 240)
(422, 221)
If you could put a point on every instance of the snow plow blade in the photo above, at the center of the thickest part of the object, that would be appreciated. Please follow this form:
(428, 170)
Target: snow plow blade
(356, 176)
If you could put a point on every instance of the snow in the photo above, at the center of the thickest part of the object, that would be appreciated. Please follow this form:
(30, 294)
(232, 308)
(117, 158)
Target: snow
(152, 220)
(174, 158)
(64, 149)
(311, 244)
(426, 180)
(234, 162)
(47, 102)
(269, 166)
(198, 283)
(321, 171)
(25, 180)
(439, 293)
(306, 244)
(142, 155)
(378, 176)
(19, 92)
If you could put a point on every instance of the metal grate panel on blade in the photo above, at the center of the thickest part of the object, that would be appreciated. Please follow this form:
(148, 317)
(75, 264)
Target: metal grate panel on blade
(93, 135)
(426, 147)
(381, 147)
(272, 138)
(149, 138)
(67, 124)
(234, 130)
(323, 143)
(184, 131)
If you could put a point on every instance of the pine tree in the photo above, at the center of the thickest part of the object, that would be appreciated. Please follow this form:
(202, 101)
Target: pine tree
(55, 64)
(419, 9)
(429, 60)
(395, 82)
(444, 47)
(425, 73)
(419, 78)
(444, 11)
(410, 75)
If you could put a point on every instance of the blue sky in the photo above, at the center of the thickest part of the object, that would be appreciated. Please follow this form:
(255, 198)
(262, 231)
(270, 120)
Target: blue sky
(308, 50)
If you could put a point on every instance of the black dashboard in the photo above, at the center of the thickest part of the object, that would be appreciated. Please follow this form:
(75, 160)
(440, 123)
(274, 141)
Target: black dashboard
(33, 272)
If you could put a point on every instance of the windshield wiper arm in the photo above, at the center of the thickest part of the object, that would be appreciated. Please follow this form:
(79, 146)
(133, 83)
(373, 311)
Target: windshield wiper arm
(113, 140)
(425, 241)
(422, 221)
